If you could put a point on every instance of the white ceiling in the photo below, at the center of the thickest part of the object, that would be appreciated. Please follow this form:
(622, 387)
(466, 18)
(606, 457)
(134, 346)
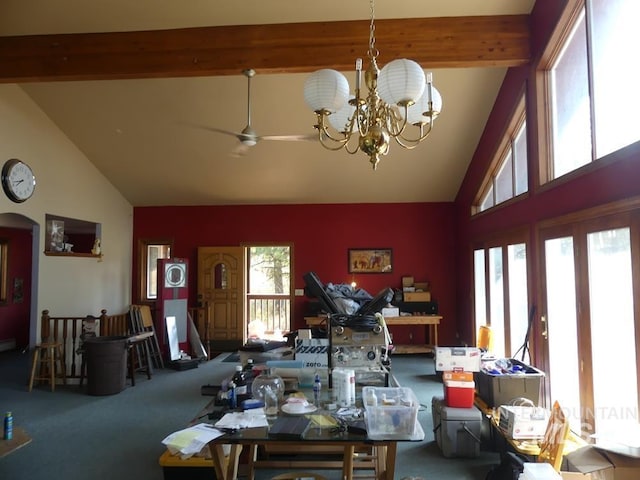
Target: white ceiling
(143, 135)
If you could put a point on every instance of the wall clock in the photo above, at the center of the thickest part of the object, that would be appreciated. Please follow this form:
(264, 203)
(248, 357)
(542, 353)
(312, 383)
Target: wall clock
(175, 275)
(18, 180)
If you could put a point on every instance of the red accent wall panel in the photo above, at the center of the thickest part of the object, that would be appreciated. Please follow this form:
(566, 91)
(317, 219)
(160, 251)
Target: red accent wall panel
(14, 314)
(420, 234)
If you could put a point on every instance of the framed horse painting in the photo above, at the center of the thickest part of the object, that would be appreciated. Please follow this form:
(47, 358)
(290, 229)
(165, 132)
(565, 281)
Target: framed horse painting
(370, 260)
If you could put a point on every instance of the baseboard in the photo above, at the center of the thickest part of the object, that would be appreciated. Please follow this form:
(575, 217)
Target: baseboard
(8, 344)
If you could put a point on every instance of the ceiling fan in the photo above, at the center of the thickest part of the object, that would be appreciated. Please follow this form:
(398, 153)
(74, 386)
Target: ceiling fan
(248, 136)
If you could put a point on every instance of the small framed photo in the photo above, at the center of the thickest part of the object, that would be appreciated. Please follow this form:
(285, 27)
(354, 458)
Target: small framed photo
(370, 260)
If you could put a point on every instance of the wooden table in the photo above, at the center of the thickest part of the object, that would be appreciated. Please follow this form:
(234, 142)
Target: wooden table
(322, 450)
(430, 321)
(381, 453)
(322, 447)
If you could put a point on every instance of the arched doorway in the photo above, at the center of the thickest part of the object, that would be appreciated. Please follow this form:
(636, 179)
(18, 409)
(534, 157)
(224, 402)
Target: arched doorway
(19, 308)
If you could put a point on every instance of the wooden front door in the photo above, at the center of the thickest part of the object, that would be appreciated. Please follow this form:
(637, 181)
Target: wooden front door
(221, 284)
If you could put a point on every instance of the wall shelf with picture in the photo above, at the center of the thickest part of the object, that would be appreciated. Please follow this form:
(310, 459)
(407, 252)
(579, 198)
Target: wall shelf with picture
(70, 237)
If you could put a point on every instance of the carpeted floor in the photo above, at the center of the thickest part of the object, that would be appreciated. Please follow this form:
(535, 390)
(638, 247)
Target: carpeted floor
(77, 436)
(232, 358)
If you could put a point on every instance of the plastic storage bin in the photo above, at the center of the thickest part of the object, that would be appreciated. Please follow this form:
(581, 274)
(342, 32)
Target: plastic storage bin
(456, 430)
(501, 388)
(390, 413)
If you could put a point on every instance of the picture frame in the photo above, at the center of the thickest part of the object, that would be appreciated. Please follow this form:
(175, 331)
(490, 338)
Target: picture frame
(370, 260)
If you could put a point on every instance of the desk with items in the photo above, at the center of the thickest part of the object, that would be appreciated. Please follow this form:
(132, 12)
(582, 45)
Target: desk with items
(333, 439)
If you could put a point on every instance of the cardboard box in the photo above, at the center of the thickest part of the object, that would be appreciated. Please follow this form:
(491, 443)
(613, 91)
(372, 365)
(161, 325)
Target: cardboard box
(624, 467)
(520, 422)
(458, 359)
(422, 286)
(587, 464)
(407, 281)
(417, 296)
(313, 352)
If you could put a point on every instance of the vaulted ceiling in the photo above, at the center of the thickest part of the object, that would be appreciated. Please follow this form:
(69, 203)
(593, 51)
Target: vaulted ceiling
(135, 85)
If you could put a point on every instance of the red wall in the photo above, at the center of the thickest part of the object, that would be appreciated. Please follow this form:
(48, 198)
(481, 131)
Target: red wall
(14, 315)
(421, 236)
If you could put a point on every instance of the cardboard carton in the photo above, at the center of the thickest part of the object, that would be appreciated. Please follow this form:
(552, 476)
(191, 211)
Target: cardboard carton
(587, 463)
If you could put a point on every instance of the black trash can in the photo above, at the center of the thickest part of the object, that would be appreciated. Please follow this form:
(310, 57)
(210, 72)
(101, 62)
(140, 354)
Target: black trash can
(106, 364)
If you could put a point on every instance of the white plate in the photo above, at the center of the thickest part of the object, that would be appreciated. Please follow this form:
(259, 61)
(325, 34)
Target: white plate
(286, 408)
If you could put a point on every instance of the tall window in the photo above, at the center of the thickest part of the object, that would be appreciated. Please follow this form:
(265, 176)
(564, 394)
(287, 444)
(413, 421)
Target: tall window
(149, 252)
(589, 315)
(508, 176)
(501, 295)
(592, 90)
(269, 293)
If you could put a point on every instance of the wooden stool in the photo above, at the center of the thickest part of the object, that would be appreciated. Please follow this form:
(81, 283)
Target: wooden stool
(46, 357)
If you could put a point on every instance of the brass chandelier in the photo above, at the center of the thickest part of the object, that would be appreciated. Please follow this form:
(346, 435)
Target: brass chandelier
(399, 95)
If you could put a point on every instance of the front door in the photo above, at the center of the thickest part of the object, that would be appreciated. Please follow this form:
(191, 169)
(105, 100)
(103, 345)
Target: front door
(221, 285)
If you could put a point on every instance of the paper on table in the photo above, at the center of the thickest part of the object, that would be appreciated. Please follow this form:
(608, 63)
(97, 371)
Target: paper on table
(189, 441)
(247, 419)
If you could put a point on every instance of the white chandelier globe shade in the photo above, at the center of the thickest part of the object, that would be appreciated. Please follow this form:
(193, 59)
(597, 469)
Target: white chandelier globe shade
(326, 89)
(415, 114)
(340, 119)
(401, 81)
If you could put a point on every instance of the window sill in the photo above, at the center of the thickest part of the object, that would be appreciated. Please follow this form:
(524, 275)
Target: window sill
(71, 254)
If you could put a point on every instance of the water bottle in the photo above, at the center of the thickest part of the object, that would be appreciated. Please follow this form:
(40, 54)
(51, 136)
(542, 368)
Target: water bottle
(241, 385)
(231, 396)
(8, 426)
(317, 389)
(248, 375)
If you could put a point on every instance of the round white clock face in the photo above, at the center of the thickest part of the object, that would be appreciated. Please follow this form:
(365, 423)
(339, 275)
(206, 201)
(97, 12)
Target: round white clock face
(18, 181)
(175, 275)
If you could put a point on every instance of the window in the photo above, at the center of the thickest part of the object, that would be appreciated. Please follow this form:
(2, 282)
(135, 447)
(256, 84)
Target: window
(590, 85)
(149, 252)
(269, 294)
(590, 269)
(508, 177)
(501, 294)
(4, 259)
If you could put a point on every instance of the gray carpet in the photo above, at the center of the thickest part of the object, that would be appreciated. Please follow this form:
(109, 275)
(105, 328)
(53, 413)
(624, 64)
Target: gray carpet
(77, 436)
(231, 357)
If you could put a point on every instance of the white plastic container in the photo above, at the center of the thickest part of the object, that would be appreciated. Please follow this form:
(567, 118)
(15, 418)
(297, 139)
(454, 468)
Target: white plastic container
(344, 385)
(394, 414)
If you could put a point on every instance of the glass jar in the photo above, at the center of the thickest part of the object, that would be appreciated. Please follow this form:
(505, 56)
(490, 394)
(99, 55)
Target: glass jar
(267, 379)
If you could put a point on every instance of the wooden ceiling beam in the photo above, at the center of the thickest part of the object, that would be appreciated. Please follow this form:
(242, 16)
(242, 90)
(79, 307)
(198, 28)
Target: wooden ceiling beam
(447, 42)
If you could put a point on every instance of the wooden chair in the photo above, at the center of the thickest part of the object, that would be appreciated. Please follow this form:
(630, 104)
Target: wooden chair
(555, 437)
(142, 321)
(47, 364)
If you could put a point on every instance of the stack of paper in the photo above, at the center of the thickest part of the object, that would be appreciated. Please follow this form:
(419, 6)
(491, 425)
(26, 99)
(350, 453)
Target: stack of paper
(191, 440)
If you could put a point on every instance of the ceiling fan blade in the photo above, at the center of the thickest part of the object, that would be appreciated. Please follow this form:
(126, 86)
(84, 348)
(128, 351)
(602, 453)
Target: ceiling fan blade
(221, 130)
(308, 137)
